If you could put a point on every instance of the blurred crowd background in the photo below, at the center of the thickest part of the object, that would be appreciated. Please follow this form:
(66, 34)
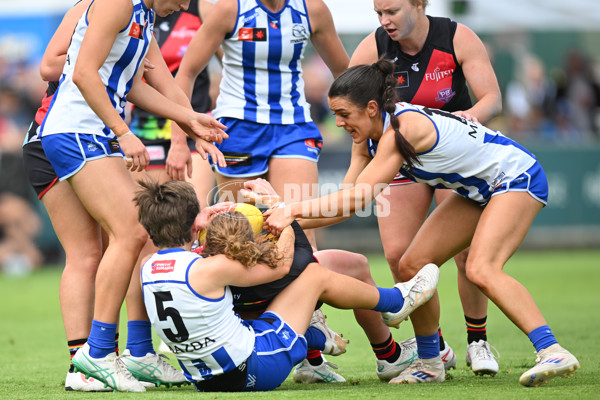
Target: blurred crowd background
(545, 53)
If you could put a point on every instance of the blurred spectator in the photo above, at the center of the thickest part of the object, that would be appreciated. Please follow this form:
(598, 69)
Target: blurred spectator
(20, 224)
(19, 227)
(579, 95)
(529, 100)
(561, 107)
(14, 120)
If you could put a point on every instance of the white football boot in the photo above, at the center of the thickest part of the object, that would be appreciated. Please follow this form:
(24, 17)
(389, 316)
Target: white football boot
(416, 292)
(323, 373)
(429, 370)
(153, 368)
(387, 370)
(448, 357)
(334, 343)
(110, 370)
(77, 382)
(551, 362)
(481, 359)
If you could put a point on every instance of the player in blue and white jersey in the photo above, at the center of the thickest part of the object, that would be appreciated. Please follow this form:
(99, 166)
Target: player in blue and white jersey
(261, 98)
(439, 63)
(190, 303)
(84, 137)
(499, 187)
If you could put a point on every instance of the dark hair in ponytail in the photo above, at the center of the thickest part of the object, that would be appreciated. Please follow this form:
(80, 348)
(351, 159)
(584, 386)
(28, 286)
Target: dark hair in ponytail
(363, 83)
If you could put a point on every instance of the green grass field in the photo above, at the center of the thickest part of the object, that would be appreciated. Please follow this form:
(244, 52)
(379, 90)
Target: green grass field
(34, 357)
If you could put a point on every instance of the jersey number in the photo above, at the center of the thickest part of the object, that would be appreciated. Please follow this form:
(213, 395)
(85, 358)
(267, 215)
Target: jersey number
(473, 126)
(431, 111)
(182, 333)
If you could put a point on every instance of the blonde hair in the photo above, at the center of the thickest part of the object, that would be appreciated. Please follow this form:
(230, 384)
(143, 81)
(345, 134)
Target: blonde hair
(230, 234)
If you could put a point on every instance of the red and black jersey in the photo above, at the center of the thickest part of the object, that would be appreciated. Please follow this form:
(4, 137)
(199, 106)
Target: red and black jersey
(432, 77)
(173, 34)
(41, 112)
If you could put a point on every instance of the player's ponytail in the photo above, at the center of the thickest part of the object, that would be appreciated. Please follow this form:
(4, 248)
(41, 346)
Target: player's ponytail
(230, 234)
(363, 83)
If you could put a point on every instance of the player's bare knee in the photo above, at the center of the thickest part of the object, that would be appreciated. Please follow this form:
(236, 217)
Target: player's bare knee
(87, 263)
(360, 268)
(137, 237)
(478, 273)
(84, 258)
(393, 258)
(407, 269)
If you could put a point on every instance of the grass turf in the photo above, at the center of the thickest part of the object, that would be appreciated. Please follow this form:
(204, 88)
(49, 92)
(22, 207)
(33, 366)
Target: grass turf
(34, 357)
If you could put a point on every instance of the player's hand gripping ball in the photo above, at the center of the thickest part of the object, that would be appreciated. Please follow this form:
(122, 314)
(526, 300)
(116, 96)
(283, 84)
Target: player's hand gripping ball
(251, 212)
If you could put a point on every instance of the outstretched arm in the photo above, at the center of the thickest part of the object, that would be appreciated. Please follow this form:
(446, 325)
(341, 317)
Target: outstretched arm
(369, 183)
(160, 78)
(196, 125)
(260, 191)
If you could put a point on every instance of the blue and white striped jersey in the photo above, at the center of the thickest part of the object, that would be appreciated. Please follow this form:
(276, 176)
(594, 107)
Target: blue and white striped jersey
(262, 76)
(205, 335)
(68, 110)
(467, 157)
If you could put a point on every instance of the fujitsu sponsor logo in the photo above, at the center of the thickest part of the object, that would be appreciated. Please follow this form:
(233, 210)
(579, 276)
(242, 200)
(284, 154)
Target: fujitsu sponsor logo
(438, 74)
(163, 266)
(183, 33)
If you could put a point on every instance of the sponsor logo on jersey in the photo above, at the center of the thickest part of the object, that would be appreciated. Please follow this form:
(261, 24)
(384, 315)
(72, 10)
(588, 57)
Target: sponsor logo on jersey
(113, 146)
(163, 267)
(314, 146)
(238, 159)
(299, 33)
(401, 79)
(92, 147)
(445, 95)
(250, 18)
(312, 143)
(496, 182)
(253, 34)
(178, 348)
(137, 30)
(183, 33)
(156, 152)
(438, 74)
(415, 67)
(274, 25)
